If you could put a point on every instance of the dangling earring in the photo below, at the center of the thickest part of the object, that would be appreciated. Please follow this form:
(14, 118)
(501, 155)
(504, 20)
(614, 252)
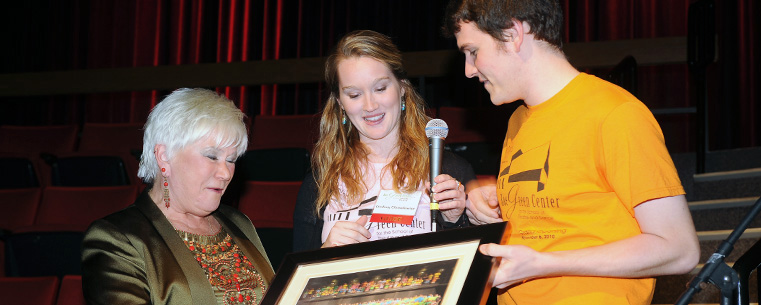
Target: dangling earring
(166, 189)
(404, 105)
(343, 120)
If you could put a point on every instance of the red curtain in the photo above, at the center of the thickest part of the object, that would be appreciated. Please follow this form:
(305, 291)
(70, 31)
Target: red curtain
(162, 32)
(748, 25)
(88, 34)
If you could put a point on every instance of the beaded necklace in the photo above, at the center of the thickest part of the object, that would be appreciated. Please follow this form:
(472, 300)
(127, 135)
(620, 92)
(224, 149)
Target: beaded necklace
(231, 274)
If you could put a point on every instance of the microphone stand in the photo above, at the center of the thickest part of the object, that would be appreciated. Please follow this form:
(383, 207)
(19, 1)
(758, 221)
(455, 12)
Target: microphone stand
(715, 270)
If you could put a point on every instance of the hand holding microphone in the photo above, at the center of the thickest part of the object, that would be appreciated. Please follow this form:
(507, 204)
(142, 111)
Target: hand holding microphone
(449, 197)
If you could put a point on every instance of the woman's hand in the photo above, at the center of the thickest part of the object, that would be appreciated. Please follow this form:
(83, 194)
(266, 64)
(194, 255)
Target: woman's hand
(347, 232)
(450, 195)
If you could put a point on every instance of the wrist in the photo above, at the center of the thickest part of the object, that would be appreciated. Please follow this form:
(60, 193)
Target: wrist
(550, 264)
(460, 222)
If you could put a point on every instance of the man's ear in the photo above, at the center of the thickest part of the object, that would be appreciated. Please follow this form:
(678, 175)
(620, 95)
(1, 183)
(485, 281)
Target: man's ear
(514, 36)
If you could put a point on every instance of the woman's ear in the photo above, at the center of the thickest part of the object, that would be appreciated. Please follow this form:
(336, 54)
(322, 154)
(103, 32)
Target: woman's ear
(338, 102)
(162, 157)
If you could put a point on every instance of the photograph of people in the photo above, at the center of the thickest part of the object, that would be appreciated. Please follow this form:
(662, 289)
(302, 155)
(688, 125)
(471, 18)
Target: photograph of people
(382, 286)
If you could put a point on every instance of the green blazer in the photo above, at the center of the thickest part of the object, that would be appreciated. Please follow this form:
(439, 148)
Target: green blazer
(134, 256)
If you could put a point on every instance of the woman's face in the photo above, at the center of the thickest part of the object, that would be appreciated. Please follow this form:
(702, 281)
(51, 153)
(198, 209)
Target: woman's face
(371, 97)
(199, 175)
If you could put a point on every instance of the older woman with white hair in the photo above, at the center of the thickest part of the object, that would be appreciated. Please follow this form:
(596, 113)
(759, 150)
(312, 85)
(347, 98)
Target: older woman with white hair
(176, 244)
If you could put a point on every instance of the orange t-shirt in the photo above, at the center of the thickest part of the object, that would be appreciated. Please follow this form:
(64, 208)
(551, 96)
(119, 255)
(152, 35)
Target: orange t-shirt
(573, 168)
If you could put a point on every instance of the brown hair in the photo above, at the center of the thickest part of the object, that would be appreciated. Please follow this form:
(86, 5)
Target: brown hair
(544, 17)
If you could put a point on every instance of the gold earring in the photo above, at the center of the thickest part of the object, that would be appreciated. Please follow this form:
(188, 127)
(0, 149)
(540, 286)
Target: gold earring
(166, 190)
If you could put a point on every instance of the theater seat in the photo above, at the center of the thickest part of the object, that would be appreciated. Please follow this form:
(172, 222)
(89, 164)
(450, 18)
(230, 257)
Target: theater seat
(80, 206)
(2, 258)
(19, 207)
(70, 292)
(90, 169)
(29, 290)
(43, 250)
(38, 139)
(111, 137)
(18, 171)
(270, 204)
(270, 207)
(487, 124)
(275, 164)
(283, 131)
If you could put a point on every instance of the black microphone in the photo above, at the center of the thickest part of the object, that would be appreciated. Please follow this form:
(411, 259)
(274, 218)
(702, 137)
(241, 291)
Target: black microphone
(436, 130)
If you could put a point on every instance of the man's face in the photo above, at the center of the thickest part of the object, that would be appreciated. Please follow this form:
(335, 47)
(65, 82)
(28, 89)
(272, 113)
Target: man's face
(494, 63)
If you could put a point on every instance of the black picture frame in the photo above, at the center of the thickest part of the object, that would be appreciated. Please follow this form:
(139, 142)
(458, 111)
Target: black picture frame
(444, 264)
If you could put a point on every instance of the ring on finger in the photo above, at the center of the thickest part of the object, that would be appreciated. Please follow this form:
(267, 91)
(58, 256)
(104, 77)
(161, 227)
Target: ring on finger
(458, 184)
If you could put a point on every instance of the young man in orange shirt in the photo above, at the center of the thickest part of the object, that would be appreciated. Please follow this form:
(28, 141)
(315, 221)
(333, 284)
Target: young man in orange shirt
(594, 201)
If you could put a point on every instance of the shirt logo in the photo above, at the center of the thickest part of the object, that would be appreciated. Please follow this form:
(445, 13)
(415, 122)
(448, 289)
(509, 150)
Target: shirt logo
(524, 169)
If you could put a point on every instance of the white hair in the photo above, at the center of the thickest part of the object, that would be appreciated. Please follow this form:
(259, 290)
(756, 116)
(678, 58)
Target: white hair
(186, 116)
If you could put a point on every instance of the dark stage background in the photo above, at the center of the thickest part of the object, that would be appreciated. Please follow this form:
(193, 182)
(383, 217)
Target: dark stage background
(57, 35)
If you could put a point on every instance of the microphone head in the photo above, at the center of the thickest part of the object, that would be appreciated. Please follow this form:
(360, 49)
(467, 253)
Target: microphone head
(436, 128)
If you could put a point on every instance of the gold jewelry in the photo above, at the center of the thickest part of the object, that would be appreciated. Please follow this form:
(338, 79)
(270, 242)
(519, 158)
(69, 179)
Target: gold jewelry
(199, 238)
(166, 191)
(211, 229)
(208, 221)
(230, 273)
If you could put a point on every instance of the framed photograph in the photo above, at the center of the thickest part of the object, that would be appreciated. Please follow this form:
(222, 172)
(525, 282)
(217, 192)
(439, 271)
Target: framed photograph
(442, 267)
